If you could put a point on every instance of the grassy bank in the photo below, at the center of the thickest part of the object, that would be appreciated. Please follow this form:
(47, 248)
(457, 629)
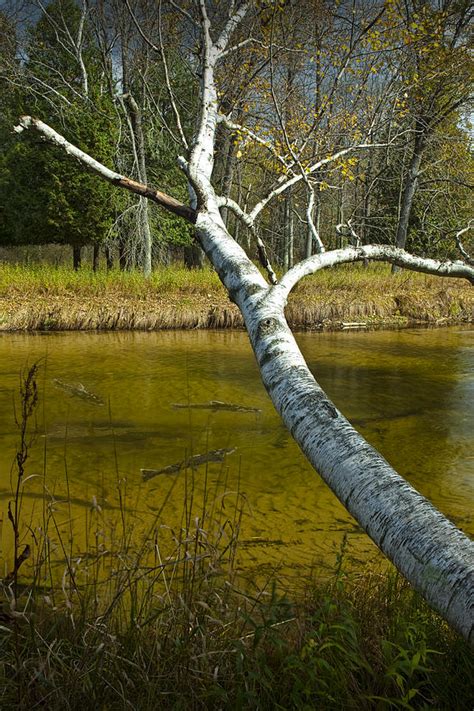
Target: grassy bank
(47, 298)
(171, 622)
(357, 642)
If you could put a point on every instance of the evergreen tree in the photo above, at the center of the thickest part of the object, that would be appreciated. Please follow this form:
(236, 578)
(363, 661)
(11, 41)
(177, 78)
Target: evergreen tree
(46, 199)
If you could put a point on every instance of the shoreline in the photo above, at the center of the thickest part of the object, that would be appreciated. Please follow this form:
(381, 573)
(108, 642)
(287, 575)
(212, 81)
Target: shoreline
(82, 314)
(174, 299)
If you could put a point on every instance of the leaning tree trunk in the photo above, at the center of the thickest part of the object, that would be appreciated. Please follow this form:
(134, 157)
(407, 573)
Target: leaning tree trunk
(434, 555)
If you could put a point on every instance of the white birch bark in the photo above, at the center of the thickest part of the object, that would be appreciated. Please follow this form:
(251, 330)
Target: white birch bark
(313, 233)
(429, 551)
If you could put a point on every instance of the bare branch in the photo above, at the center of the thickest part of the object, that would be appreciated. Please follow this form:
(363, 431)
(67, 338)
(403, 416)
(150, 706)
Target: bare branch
(159, 50)
(162, 199)
(465, 254)
(379, 253)
(263, 258)
(231, 26)
(324, 161)
(236, 47)
(168, 83)
(223, 201)
(355, 239)
(309, 217)
(255, 137)
(183, 12)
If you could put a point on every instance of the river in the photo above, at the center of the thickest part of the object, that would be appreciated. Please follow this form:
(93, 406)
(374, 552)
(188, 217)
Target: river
(409, 392)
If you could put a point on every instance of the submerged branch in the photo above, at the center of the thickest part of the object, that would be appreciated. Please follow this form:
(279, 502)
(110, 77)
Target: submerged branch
(215, 455)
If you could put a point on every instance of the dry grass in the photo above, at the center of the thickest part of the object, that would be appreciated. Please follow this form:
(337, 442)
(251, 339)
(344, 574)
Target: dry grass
(375, 296)
(47, 298)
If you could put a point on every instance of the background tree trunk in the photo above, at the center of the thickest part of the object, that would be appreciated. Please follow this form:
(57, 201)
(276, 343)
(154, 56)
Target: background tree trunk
(76, 256)
(95, 257)
(193, 256)
(138, 141)
(109, 258)
(409, 190)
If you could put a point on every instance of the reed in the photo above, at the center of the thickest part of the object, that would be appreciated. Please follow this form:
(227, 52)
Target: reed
(170, 623)
(57, 298)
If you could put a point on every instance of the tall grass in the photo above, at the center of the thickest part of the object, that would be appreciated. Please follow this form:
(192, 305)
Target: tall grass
(374, 278)
(57, 298)
(61, 279)
(172, 624)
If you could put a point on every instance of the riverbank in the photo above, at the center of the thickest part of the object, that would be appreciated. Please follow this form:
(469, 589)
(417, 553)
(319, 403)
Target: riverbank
(47, 298)
(357, 642)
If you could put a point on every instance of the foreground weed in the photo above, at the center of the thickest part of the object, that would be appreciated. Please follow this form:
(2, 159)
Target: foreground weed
(170, 623)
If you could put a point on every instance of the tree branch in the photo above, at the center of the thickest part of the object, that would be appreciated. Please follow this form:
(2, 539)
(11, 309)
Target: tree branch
(159, 50)
(460, 245)
(255, 137)
(231, 25)
(224, 201)
(184, 13)
(295, 179)
(379, 253)
(309, 216)
(162, 199)
(236, 47)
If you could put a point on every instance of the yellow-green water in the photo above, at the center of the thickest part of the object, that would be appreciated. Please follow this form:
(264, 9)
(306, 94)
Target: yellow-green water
(409, 392)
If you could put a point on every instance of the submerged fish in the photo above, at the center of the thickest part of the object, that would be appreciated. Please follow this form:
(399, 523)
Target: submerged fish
(215, 455)
(216, 405)
(78, 391)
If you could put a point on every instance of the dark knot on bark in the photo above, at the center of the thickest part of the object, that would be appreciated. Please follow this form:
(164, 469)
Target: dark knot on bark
(267, 326)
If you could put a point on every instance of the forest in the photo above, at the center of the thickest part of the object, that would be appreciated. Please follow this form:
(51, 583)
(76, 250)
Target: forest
(379, 91)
